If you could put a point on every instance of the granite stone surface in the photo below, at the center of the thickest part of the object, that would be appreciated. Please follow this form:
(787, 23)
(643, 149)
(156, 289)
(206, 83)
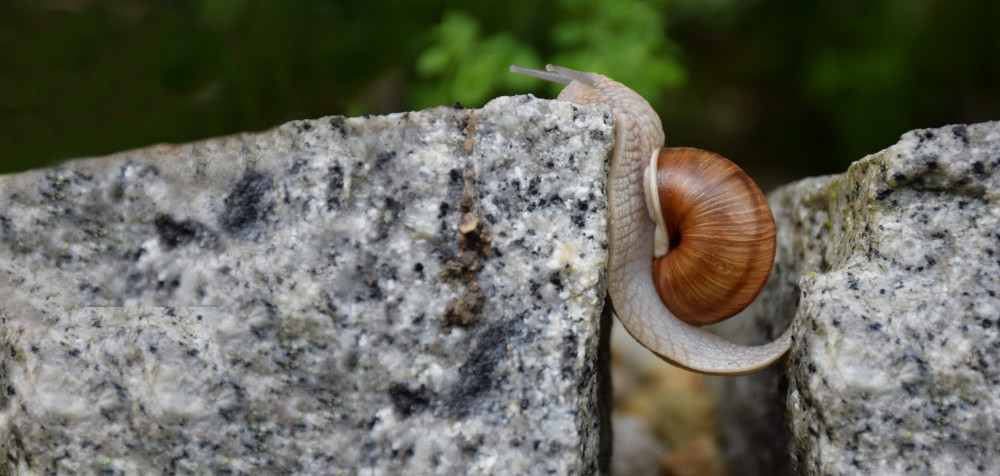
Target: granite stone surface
(892, 272)
(416, 293)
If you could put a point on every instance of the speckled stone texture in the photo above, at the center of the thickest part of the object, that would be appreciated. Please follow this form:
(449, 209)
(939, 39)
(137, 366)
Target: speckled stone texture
(275, 303)
(892, 272)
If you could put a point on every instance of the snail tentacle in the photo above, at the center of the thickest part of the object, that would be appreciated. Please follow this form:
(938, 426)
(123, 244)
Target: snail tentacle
(546, 75)
(632, 234)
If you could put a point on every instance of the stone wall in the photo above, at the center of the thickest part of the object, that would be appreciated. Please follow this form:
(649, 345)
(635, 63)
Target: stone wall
(422, 293)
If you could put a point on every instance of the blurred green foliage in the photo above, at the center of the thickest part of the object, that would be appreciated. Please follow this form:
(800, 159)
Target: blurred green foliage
(464, 66)
(590, 35)
(785, 89)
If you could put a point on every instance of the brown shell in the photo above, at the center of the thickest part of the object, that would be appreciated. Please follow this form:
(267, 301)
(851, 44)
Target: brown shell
(722, 236)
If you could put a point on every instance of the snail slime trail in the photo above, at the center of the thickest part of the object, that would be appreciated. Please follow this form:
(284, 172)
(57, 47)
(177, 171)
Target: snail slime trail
(712, 255)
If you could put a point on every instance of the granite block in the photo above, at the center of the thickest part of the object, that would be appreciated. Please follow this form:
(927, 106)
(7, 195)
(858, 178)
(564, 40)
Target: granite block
(891, 271)
(415, 293)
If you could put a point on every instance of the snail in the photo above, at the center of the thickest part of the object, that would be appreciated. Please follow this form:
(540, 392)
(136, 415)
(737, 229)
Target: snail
(692, 242)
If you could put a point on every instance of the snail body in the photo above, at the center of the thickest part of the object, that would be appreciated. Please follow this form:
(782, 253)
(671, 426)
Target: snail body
(643, 223)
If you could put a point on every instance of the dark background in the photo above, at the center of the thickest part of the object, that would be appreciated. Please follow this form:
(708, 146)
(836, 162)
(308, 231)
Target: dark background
(785, 89)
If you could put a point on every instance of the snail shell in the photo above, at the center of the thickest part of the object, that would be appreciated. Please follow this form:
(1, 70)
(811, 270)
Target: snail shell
(718, 231)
